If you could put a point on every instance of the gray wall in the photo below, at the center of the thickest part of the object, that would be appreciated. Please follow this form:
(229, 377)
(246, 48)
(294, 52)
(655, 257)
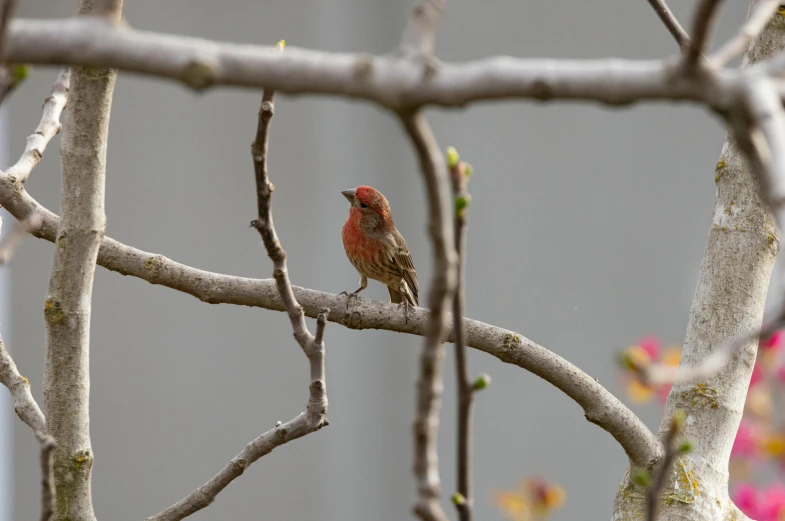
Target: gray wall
(586, 232)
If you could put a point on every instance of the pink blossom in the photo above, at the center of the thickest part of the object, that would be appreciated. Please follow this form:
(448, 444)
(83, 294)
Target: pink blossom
(772, 503)
(775, 341)
(662, 393)
(651, 345)
(781, 373)
(748, 500)
(757, 375)
(745, 443)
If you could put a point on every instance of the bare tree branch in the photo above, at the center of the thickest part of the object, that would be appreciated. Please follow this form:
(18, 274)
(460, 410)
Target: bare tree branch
(420, 33)
(464, 501)
(672, 450)
(261, 446)
(10, 242)
(68, 304)
(670, 21)
(47, 128)
(6, 13)
(25, 405)
(48, 494)
(760, 16)
(702, 25)
(600, 406)
(313, 346)
(391, 81)
(429, 385)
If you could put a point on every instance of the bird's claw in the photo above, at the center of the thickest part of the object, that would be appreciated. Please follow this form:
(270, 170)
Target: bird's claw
(406, 306)
(349, 297)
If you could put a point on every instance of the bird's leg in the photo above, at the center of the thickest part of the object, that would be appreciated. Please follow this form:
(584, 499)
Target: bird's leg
(353, 294)
(406, 306)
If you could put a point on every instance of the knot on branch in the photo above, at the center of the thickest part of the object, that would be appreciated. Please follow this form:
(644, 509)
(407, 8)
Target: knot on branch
(197, 75)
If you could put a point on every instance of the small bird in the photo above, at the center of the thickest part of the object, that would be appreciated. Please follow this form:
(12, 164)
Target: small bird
(376, 248)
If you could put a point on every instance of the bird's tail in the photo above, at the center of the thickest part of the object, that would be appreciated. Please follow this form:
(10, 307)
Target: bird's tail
(395, 297)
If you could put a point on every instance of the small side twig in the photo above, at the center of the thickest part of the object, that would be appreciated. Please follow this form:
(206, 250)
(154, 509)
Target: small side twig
(463, 500)
(313, 345)
(760, 16)
(47, 128)
(701, 29)
(48, 494)
(670, 21)
(672, 450)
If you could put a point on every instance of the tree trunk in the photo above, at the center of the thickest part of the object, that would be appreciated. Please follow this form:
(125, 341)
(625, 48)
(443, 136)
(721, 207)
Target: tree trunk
(729, 302)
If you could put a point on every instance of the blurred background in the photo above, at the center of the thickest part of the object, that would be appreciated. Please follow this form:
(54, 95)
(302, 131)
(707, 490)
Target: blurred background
(586, 231)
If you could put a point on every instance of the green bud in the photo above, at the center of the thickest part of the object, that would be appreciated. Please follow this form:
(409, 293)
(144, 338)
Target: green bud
(685, 447)
(461, 203)
(678, 419)
(467, 169)
(20, 72)
(452, 157)
(281, 44)
(481, 382)
(458, 499)
(641, 477)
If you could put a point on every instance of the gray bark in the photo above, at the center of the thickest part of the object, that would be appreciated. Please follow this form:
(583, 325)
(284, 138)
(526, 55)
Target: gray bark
(68, 304)
(729, 302)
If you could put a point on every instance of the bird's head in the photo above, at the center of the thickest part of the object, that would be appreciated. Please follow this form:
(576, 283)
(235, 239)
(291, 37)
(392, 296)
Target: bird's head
(368, 201)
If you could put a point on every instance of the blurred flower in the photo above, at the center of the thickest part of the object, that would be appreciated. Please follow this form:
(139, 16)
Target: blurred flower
(748, 500)
(534, 500)
(651, 345)
(775, 341)
(757, 375)
(637, 358)
(746, 442)
(771, 506)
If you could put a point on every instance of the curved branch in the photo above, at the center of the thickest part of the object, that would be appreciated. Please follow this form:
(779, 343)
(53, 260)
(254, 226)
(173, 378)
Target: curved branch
(25, 405)
(599, 405)
(392, 81)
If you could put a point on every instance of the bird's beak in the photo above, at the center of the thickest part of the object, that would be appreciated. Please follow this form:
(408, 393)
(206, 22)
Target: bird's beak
(349, 194)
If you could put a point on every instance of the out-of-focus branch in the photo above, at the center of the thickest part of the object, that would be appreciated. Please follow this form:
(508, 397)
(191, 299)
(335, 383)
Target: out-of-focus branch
(670, 21)
(463, 500)
(68, 305)
(420, 33)
(313, 345)
(10, 242)
(760, 16)
(702, 25)
(391, 81)
(48, 494)
(599, 405)
(430, 385)
(47, 128)
(24, 404)
(672, 450)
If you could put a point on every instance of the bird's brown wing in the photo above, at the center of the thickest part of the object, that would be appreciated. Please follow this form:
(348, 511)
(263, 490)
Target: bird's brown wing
(403, 259)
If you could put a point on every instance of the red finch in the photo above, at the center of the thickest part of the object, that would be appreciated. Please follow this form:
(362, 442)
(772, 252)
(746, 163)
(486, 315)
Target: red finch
(376, 248)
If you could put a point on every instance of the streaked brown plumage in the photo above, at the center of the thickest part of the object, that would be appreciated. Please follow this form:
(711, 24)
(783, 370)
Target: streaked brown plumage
(376, 248)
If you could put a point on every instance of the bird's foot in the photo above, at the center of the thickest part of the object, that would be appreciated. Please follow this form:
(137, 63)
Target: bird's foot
(406, 306)
(349, 297)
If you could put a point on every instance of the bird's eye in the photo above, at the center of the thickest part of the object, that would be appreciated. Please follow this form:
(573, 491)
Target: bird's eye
(363, 205)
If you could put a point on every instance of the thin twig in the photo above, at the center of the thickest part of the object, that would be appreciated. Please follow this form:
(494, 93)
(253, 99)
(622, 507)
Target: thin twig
(420, 33)
(315, 416)
(429, 385)
(672, 450)
(702, 24)
(599, 405)
(11, 241)
(760, 16)
(465, 501)
(48, 494)
(25, 405)
(47, 128)
(670, 21)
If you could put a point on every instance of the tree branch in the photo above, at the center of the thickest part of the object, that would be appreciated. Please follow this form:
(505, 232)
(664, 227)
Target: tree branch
(670, 21)
(429, 385)
(459, 178)
(701, 28)
(12, 239)
(672, 450)
(420, 33)
(600, 406)
(25, 405)
(760, 16)
(47, 128)
(313, 346)
(391, 81)
(68, 304)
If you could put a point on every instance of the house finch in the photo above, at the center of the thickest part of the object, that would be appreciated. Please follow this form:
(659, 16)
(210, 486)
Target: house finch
(376, 248)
